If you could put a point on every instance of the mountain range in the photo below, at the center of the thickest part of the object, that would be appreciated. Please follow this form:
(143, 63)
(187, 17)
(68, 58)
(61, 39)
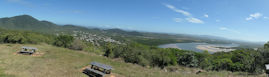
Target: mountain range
(29, 23)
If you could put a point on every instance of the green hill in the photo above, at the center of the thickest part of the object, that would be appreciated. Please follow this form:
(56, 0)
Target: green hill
(26, 22)
(61, 62)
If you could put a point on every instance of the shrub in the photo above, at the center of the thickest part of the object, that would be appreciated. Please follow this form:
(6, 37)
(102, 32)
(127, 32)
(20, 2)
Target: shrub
(77, 45)
(64, 41)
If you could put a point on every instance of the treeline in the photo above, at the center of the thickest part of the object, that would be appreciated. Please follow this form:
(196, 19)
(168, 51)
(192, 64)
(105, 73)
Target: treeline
(152, 56)
(28, 37)
(243, 60)
(22, 37)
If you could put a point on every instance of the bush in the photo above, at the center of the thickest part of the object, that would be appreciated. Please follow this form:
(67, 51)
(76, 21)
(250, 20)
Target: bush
(14, 38)
(77, 45)
(188, 59)
(64, 41)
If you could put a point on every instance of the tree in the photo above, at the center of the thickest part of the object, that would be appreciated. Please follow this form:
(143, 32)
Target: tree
(206, 64)
(14, 38)
(222, 64)
(205, 59)
(64, 41)
(77, 45)
(247, 60)
(266, 45)
(109, 50)
(188, 59)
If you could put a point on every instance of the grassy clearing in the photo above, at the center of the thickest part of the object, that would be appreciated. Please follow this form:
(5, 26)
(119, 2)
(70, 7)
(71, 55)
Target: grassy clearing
(61, 62)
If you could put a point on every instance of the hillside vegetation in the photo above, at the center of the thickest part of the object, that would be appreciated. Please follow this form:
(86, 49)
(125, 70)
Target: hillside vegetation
(61, 62)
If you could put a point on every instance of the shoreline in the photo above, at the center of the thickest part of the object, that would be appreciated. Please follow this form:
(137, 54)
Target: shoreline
(171, 46)
(213, 48)
(203, 47)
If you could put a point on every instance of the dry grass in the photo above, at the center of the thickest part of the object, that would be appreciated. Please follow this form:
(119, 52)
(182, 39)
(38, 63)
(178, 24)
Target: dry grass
(61, 62)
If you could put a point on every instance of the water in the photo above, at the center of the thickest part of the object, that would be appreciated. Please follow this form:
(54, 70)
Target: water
(192, 46)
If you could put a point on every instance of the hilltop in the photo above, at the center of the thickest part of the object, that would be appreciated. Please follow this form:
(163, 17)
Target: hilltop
(61, 62)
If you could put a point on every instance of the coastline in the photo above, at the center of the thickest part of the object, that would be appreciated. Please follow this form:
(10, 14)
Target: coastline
(171, 46)
(213, 48)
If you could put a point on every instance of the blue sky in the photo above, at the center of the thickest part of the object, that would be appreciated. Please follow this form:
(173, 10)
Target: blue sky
(234, 19)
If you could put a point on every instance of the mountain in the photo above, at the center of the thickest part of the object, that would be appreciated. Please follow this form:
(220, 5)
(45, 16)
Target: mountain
(26, 22)
(29, 23)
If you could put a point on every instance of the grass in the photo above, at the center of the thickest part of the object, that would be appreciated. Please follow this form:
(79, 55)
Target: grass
(61, 62)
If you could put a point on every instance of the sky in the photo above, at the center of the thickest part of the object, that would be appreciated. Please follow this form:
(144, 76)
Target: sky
(234, 19)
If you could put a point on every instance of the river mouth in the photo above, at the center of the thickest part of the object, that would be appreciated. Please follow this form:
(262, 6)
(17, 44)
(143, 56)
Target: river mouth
(200, 47)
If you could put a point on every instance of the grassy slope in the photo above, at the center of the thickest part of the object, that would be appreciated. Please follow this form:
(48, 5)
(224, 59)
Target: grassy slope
(60, 62)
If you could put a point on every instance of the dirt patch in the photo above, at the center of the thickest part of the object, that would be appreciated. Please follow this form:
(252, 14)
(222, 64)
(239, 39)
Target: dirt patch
(81, 70)
(114, 75)
(36, 54)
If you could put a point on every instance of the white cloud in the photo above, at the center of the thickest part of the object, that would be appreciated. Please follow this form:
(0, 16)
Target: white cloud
(223, 28)
(217, 20)
(266, 17)
(254, 16)
(206, 15)
(194, 20)
(229, 30)
(185, 13)
(249, 18)
(178, 19)
(177, 10)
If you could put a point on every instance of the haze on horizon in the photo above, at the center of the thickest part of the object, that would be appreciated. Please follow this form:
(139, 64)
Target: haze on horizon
(240, 19)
